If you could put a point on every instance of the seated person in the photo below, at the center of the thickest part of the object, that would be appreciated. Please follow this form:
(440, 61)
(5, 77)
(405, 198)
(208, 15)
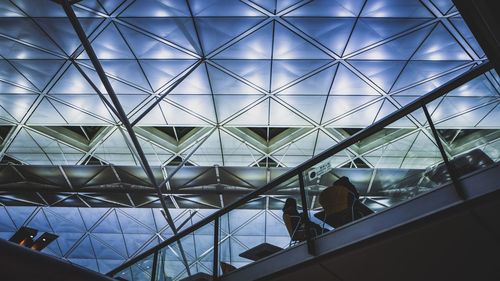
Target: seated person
(295, 222)
(341, 203)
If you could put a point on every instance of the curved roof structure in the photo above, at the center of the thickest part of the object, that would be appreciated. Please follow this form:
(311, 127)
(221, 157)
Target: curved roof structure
(249, 83)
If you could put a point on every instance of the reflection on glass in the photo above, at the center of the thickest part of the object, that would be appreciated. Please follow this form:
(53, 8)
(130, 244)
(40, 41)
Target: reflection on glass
(389, 167)
(139, 271)
(191, 256)
(256, 229)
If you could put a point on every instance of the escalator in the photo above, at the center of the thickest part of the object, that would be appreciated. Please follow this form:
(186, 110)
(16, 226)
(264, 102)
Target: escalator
(436, 236)
(439, 219)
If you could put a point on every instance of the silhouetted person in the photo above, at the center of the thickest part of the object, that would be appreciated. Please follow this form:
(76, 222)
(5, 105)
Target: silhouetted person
(341, 203)
(295, 222)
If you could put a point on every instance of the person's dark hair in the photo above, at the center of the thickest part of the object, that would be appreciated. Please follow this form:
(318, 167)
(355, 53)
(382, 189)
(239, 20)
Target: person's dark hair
(343, 181)
(290, 203)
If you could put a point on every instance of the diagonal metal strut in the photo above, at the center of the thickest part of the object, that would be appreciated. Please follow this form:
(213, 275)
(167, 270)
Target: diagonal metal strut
(68, 9)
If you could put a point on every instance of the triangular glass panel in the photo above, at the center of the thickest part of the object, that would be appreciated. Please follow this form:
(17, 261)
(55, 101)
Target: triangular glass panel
(423, 153)
(21, 51)
(74, 116)
(440, 45)
(479, 86)
(233, 146)
(160, 72)
(65, 220)
(388, 108)
(391, 155)
(145, 47)
(282, 116)
(257, 45)
(133, 225)
(462, 27)
(371, 30)
(7, 9)
(110, 45)
(416, 71)
(144, 215)
(45, 114)
(20, 214)
(426, 87)
(180, 117)
(88, 103)
(199, 104)
(382, 73)
(92, 215)
(311, 106)
(211, 146)
(126, 70)
(324, 142)
(491, 120)
(303, 146)
(108, 246)
(362, 117)
(61, 31)
(72, 82)
(179, 31)
(6, 223)
(106, 266)
(395, 9)
(135, 242)
(228, 105)
(340, 105)
(110, 5)
(26, 30)
(114, 149)
(348, 83)
(26, 149)
(40, 222)
(10, 74)
(451, 106)
(212, 8)
(317, 84)
(223, 83)
(254, 71)
(467, 119)
(196, 83)
(155, 154)
(83, 250)
(257, 115)
(67, 240)
(109, 224)
(286, 71)
(215, 32)
(17, 105)
(288, 45)
(443, 5)
(157, 8)
(332, 33)
(275, 6)
(329, 8)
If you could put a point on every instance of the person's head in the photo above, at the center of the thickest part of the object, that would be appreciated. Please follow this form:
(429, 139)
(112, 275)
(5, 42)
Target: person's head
(343, 181)
(290, 204)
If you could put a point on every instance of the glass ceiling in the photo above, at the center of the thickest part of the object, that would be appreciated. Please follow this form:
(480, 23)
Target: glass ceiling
(270, 82)
(256, 82)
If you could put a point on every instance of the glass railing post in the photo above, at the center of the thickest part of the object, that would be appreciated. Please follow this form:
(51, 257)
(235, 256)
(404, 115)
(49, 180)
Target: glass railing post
(449, 166)
(215, 271)
(154, 266)
(310, 242)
